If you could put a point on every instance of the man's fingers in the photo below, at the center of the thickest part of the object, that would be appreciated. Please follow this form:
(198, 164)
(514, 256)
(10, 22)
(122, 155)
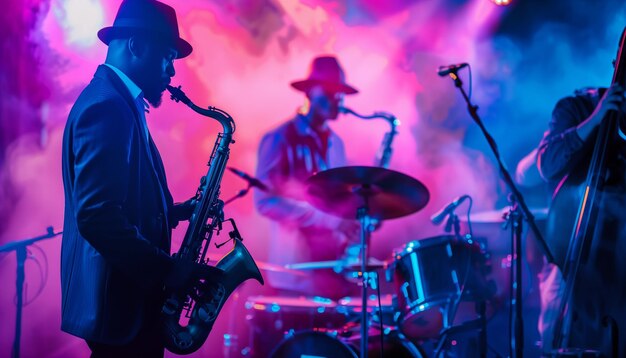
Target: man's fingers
(209, 272)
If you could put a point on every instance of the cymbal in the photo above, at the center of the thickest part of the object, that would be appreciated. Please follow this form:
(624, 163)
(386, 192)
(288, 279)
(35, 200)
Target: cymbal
(373, 264)
(388, 194)
(266, 266)
(498, 215)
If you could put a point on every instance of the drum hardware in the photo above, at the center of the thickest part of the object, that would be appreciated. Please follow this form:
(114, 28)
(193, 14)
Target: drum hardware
(373, 194)
(21, 255)
(383, 308)
(479, 324)
(519, 211)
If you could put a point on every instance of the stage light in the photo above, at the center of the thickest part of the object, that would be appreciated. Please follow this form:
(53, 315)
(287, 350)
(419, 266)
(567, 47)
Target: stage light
(80, 19)
(502, 2)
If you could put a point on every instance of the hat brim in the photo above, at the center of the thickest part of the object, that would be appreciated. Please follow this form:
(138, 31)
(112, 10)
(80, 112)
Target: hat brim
(306, 85)
(107, 34)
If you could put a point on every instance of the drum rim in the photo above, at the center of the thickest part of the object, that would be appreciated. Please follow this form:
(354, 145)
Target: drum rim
(415, 245)
(311, 303)
(293, 336)
(402, 339)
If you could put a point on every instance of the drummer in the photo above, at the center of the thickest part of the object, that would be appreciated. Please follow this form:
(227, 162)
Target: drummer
(288, 155)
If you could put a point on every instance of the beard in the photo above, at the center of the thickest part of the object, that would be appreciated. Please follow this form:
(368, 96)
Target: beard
(154, 96)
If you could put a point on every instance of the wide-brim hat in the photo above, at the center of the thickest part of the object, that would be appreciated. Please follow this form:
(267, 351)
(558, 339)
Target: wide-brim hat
(326, 72)
(149, 17)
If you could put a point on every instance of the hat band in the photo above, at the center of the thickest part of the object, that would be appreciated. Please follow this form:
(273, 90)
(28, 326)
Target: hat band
(144, 25)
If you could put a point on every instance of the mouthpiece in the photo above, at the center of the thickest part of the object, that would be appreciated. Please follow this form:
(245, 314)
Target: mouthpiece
(178, 95)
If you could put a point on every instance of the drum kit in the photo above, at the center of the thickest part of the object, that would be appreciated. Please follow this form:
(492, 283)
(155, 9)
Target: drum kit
(433, 279)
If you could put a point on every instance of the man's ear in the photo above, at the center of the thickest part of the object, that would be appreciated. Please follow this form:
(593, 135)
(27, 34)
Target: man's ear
(136, 46)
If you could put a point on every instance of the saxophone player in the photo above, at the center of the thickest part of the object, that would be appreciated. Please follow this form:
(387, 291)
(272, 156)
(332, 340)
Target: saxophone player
(287, 156)
(118, 210)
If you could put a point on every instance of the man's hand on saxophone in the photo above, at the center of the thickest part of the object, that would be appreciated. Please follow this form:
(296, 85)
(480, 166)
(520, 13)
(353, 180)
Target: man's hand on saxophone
(183, 275)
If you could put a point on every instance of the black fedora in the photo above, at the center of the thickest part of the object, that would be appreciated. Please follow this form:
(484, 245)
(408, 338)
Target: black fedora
(149, 17)
(326, 72)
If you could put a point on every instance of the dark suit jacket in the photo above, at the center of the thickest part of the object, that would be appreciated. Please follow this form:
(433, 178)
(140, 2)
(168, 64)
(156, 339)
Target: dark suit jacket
(118, 214)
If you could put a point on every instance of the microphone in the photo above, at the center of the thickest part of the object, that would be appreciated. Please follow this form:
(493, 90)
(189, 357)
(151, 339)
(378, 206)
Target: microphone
(438, 217)
(252, 181)
(446, 70)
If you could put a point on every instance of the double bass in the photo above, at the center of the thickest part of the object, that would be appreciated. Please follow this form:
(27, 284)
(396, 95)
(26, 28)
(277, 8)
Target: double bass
(586, 233)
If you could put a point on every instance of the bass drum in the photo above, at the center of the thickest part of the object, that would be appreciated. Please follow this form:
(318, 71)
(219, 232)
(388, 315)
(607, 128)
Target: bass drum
(327, 344)
(271, 318)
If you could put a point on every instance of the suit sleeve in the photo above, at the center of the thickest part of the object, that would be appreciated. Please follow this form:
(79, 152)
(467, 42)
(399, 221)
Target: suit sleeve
(102, 149)
(561, 146)
(271, 167)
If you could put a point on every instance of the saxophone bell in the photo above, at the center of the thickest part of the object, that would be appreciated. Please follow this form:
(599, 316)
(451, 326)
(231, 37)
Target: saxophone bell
(238, 266)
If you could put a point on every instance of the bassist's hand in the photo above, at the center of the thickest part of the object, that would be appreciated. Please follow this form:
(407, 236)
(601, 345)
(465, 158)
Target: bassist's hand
(613, 100)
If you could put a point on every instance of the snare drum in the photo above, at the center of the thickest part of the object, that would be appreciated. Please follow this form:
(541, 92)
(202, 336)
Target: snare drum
(328, 344)
(427, 275)
(270, 318)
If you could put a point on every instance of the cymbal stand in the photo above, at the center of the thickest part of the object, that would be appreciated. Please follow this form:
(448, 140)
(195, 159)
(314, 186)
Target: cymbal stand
(20, 251)
(366, 229)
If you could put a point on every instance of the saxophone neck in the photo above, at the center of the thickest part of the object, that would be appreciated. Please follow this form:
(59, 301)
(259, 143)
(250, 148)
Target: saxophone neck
(393, 121)
(221, 116)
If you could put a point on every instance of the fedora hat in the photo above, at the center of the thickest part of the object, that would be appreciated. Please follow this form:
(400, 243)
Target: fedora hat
(150, 17)
(325, 71)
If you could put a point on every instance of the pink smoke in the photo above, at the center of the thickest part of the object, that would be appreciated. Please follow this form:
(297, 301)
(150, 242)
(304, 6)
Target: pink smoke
(246, 53)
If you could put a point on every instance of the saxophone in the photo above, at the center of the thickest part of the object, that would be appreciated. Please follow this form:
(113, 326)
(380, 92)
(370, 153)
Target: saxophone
(383, 156)
(200, 306)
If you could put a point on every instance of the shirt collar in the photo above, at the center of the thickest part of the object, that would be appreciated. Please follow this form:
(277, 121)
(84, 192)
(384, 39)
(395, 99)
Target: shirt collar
(303, 127)
(134, 90)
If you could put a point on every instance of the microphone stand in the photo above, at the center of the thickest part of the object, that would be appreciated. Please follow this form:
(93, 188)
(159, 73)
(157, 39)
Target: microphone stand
(517, 341)
(20, 251)
(453, 222)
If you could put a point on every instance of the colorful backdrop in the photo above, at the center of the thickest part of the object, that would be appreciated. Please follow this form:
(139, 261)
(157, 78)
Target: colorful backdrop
(523, 58)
